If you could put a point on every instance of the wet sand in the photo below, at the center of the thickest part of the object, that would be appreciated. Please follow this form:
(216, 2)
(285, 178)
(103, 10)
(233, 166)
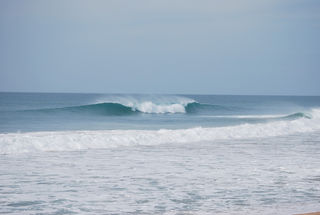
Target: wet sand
(313, 213)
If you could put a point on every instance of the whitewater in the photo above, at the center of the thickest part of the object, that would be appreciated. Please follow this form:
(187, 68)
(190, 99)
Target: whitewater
(158, 154)
(80, 140)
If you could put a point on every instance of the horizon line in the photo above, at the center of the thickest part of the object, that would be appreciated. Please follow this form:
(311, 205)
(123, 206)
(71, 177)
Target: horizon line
(135, 93)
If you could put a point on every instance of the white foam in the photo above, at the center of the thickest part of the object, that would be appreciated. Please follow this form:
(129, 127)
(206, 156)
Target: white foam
(152, 104)
(149, 107)
(266, 116)
(80, 140)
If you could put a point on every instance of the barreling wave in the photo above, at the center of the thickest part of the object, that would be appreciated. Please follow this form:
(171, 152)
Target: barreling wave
(127, 105)
(82, 140)
(118, 109)
(152, 104)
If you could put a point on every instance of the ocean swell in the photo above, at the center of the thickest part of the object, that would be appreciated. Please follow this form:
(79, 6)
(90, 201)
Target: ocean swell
(118, 109)
(148, 107)
(127, 105)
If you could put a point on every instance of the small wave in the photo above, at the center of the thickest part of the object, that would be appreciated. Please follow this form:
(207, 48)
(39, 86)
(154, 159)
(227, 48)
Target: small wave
(81, 140)
(264, 116)
(297, 116)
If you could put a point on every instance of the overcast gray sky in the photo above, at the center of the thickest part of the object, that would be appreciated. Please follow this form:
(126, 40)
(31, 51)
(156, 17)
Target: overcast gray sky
(167, 46)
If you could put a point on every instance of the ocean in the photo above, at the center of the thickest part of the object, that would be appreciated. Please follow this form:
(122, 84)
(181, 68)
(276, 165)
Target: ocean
(63, 153)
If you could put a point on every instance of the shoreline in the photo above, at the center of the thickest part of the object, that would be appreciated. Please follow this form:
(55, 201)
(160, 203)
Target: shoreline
(311, 213)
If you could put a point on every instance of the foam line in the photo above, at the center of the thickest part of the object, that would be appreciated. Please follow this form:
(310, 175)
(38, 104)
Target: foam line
(81, 140)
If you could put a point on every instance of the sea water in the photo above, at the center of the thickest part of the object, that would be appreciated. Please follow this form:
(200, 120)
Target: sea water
(158, 154)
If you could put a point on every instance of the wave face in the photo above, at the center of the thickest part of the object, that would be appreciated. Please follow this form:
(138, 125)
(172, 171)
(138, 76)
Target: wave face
(148, 107)
(115, 109)
(81, 140)
(130, 105)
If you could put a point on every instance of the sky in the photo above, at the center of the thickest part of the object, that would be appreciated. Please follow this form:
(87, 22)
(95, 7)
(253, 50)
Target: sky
(250, 47)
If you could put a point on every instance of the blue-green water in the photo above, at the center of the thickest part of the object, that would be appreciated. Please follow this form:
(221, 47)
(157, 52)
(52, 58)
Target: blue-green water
(21, 112)
(159, 154)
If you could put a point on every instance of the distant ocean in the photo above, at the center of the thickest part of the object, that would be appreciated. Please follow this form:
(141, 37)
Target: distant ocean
(158, 154)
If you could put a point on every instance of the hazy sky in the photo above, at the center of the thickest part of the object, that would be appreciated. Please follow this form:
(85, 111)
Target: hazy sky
(164, 46)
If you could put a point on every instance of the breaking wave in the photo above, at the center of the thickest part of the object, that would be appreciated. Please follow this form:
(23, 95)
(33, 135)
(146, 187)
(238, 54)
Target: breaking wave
(118, 109)
(127, 106)
(82, 140)
(152, 104)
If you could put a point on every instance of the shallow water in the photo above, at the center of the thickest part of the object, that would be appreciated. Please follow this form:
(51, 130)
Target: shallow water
(278, 175)
(259, 160)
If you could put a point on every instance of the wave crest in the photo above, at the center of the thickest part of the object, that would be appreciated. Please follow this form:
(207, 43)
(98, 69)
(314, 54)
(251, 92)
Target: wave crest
(153, 104)
(129, 105)
(150, 107)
